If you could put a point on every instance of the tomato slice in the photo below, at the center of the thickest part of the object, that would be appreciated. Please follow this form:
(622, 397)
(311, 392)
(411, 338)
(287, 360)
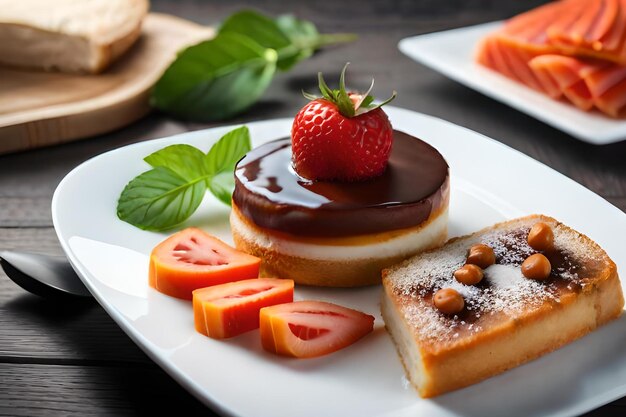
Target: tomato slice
(306, 329)
(230, 309)
(193, 259)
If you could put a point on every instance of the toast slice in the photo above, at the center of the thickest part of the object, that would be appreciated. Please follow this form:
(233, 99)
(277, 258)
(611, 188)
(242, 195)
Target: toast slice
(507, 319)
(68, 35)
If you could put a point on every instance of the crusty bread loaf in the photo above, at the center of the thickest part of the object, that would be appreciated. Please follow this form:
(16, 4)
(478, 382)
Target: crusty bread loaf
(508, 319)
(68, 35)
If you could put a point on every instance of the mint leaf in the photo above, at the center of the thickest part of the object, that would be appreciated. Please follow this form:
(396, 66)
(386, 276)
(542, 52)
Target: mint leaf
(215, 79)
(184, 160)
(226, 152)
(160, 199)
(170, 193)
(221, 161)
(222, 186)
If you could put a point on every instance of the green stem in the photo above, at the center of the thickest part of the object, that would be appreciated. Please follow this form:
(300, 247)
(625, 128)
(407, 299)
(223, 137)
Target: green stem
(318, 42)
(333, 38)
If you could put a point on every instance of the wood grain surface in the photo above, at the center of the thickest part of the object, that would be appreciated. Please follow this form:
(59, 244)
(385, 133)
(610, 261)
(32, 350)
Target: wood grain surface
(74, 360)
(41, 109)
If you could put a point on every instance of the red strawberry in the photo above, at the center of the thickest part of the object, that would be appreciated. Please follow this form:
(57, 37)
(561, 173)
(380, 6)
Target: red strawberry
(341, 136)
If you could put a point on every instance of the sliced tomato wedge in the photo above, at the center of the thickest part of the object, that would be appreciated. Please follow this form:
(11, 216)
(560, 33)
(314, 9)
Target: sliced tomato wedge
(192, 259)
(230, 309)
(306, 329)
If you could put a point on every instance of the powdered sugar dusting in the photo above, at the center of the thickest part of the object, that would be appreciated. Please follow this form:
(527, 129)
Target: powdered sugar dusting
(503, 290)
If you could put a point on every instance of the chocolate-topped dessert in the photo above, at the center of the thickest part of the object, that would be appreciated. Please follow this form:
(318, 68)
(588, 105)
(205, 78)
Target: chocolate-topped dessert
(272, 195)
(342, 198)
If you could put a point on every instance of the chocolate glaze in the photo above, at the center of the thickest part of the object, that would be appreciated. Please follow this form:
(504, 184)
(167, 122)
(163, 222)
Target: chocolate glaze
(270, 193)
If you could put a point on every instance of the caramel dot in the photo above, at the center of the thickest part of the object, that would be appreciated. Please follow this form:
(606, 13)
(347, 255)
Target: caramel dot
(536, 266)
(469, 274)
(448, 301)
(481, 255)
(541, 237)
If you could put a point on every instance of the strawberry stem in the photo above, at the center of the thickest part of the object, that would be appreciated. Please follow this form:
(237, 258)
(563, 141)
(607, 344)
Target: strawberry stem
(341, 98)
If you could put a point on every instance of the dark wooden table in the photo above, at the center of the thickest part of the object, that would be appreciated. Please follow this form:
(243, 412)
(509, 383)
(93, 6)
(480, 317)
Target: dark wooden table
(73, 359)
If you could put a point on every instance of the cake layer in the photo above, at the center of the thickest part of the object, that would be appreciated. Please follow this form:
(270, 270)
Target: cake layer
(271, 194)
(331, 265)
(402, 244)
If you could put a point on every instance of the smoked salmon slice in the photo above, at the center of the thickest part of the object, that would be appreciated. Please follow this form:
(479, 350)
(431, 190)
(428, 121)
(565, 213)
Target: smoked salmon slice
(587, 83)
(511, 58)
(566, 71)
(572, 49)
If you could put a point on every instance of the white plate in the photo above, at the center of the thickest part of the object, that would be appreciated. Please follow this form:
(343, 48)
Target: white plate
(452, 53)
(490, 182)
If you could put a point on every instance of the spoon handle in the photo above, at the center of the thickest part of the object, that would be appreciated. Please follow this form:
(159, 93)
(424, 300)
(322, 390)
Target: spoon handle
(46, 276)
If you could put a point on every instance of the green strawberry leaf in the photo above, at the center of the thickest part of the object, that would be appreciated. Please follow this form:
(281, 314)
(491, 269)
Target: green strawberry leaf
(160, 199)
(346, 106)
(215, 79)
(341, 98)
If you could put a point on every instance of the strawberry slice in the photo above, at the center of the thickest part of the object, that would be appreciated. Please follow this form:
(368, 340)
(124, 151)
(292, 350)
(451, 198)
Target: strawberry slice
(341, 136)
(306, 329)
(230, 309)
(192, 259)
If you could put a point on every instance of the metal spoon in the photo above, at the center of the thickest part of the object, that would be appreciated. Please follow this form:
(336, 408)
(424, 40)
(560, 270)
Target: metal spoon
(47, 276)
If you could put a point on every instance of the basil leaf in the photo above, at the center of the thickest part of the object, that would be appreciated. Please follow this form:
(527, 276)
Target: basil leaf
(160, 199)
(227, 151)
(262, 30)
(184, 160)
(293, 39)
(215, 79)
(302, 34)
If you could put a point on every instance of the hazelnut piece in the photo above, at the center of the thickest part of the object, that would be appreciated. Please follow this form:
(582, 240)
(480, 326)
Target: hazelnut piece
(481, 255)
(536, 266)
(541, 237)
(469, 274)
(448, 301)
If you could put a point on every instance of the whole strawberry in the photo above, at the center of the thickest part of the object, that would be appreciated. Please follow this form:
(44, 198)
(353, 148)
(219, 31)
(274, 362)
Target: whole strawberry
(341, 136)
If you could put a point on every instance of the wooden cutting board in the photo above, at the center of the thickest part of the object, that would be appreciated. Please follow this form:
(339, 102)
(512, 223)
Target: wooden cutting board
(42, 109)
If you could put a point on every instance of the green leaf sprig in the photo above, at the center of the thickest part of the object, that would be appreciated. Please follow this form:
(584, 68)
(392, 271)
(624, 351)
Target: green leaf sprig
(169, 193)
(224, 76)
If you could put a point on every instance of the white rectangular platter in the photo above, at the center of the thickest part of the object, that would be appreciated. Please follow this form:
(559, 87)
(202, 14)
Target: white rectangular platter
(452, 53)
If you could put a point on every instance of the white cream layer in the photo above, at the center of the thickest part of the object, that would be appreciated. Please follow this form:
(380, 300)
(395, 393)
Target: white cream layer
(405, 244)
